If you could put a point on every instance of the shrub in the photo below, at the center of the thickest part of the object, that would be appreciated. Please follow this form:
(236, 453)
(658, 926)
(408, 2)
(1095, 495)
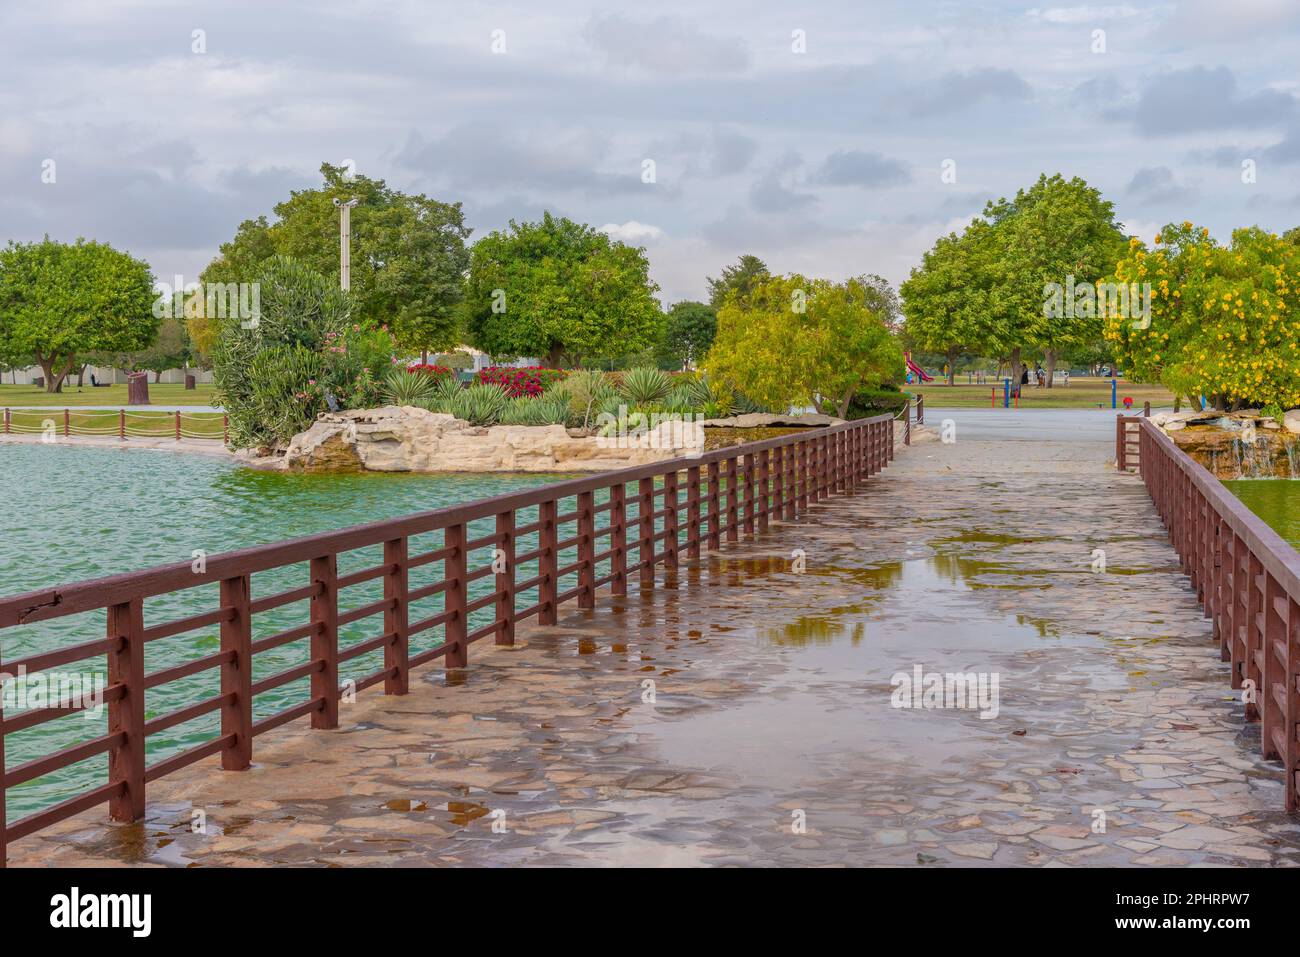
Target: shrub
(528, 381)
(409, 387)
(588, 393)
(480, 404)
(546, 410)
(431, 370)
(645, 385)
(274, 377)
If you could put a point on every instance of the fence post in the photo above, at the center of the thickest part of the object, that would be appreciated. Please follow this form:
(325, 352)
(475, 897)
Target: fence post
(1146, 408)
(225, 428)
(920, 409)
(907, 421)
(126, 714)
(237, 674)
(505, 583)
(618, 538)
(586, 550)
(325, 641)
(801, 479)
(455, 569)
(1120, 464)
(67, 423)
(646, 545)
(715, 503)
(733, 501)
(750, 480)
(693, 512)
(6, 420)
(121, 424)
(670, 520)
(548, 562)
(397, 652)
(178, 425)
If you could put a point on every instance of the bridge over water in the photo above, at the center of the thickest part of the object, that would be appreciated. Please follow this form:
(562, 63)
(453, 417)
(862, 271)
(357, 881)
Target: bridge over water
(739, 702)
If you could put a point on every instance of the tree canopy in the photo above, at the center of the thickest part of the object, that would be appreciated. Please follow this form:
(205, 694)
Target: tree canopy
(60, 302)
(688, 332)
(1224, 320)
(793, 339)
(559, 290)
(408, 255)
(739, 279)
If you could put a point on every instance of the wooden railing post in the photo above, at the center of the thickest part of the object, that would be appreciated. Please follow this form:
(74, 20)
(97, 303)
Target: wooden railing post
(456, 570)
(325, 641)
(764, 489)
(121, 424)
(733, 501)
(586, 550)
(802, 477)
(7, 423)
(750, 481)
(645, 541)
(178, 425)
(907, 421)
(126, 714)
(670, 520)
(397, 652)
(1120, 464)
(920, 409)
(548, 563)
(237, 674)
(505, 580)
(715, 503)
(778, 482)
(693, 512)
(67, 423)
(618, 538)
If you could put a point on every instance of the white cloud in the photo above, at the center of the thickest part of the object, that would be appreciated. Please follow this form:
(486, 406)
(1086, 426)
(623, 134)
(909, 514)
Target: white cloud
(632, 232)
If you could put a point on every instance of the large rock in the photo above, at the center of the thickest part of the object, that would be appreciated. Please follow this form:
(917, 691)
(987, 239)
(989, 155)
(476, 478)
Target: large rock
(409, 439)
(1291, 421)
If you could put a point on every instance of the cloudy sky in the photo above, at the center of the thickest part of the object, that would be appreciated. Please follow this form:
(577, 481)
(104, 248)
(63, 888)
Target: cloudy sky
(813, 135)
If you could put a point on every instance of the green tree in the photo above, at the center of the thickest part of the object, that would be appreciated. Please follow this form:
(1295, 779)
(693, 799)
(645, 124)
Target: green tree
(558, 289)
(1057, 234)
(946, 298)
(793, 340)
(61, 301)
(739, 279)
(408, 255)
(688, 332)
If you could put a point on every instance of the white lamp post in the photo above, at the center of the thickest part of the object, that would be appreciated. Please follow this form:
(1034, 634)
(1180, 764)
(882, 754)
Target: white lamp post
(345, 241)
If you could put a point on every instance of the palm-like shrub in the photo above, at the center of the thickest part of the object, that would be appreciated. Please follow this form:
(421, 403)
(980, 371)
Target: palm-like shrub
(548, 410)
(405, 387)
(588, 392)
(480, 404)
(645, 385)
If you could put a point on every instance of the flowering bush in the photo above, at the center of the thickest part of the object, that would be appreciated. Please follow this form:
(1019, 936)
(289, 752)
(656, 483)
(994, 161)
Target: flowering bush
(436, 372)
(531, 381)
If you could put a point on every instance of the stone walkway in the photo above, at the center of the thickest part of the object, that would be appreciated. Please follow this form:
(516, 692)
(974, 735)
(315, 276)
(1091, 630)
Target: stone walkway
(771, 738)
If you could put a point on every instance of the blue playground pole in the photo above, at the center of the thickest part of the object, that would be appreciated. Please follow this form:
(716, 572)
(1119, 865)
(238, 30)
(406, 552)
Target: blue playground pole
(1114, 387)
(1006, 393)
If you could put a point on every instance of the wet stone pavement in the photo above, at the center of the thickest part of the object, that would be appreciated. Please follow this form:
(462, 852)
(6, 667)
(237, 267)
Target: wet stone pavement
(772, 737)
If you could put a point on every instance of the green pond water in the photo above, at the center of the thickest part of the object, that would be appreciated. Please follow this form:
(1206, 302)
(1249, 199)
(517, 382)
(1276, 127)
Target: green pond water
(80, 513)
(1276, 501)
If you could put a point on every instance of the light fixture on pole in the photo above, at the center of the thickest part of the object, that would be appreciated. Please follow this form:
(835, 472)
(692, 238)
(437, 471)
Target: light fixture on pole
(345, 241)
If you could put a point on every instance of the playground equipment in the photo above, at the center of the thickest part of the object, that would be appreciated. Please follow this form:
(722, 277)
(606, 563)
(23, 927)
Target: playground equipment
(916, 370)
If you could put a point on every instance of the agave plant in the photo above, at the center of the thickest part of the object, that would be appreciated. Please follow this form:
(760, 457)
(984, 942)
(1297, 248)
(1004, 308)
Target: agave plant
(409, 388)
(479, 404)
(645, 385)
(548, 410)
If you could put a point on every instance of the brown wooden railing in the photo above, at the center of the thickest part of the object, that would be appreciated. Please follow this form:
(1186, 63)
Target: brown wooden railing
(1246, 577)
(681, 505)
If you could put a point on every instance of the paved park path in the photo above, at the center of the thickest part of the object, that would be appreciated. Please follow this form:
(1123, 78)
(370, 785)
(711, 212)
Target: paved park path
(771, 739)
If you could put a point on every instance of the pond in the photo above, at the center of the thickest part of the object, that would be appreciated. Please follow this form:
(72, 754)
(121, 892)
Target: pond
(77, 513)
(1276, 501)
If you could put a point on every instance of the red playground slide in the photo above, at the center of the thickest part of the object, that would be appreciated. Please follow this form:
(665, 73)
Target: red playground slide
(916, 370)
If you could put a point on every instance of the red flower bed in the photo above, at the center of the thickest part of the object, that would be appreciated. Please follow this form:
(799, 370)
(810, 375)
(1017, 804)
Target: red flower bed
(530, 381)
(428, 368)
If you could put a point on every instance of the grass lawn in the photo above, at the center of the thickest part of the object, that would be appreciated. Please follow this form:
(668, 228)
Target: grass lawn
(71, 396)
(1081, 394)
(139, 421)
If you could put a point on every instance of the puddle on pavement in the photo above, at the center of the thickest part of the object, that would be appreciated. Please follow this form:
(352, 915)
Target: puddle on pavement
(829, 705)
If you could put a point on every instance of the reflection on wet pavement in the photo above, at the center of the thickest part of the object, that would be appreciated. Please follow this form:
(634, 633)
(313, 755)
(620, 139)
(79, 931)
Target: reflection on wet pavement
(744, 712)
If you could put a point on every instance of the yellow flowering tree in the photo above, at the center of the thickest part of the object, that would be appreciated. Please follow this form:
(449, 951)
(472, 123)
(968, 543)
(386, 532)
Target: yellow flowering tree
(1224, 320)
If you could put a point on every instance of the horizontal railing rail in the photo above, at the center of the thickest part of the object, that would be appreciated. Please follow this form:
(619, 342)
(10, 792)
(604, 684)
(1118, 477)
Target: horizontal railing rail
(622, 525)
(1247, 578)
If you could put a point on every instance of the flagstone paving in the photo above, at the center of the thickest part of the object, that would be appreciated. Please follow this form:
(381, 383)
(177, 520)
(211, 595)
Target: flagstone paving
(742, 713)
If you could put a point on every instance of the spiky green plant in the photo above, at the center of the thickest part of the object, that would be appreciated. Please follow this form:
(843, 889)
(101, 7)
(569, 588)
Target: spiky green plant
(480, 404)
(409, 388)
(645, 385)
(544, 410)
(588, 393)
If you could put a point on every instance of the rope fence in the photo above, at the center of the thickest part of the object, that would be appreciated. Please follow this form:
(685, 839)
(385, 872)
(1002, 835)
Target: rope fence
(122, 423)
